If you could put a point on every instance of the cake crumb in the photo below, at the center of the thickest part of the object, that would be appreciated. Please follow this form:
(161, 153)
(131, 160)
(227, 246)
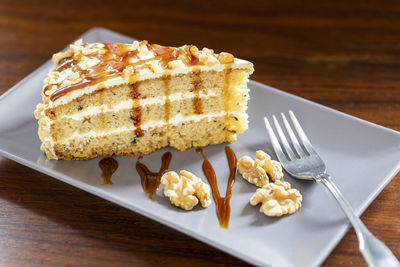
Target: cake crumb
(185, 190)
(259, 170)
(277, 199)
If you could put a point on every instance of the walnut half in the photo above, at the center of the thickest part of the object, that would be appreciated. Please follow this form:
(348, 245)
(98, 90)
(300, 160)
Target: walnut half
(185, 190)
(277, 199)
(259, 170)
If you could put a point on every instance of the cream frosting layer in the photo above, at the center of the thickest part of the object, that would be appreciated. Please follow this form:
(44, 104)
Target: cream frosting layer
(127, 104)
(153, 124)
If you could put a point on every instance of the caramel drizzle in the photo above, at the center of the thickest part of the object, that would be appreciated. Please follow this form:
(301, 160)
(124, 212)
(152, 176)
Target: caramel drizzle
(107, 68)
(136, 111)
(222, 203)
(226, 92)
(114, 61)
(108, 167)
(102, 116)
(196, 81)
(167, 105)
(151, 180)
(65, 64)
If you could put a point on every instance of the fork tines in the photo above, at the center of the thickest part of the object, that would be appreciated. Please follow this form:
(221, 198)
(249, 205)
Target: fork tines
(308, 149)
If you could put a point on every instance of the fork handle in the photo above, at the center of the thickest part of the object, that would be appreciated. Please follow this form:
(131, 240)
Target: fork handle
(374, 251)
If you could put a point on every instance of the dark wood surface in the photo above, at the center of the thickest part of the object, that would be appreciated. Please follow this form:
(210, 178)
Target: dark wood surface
(342, 54)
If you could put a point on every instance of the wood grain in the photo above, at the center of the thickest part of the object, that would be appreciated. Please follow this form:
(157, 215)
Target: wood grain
(342, 54)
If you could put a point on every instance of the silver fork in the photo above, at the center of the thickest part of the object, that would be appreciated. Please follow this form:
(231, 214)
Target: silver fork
(308, 165)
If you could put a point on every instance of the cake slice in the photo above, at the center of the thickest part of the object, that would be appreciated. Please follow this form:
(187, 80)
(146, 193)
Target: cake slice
(128, 99)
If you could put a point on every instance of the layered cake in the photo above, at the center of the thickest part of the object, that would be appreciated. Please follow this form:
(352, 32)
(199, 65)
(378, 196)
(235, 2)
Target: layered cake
(128, 99)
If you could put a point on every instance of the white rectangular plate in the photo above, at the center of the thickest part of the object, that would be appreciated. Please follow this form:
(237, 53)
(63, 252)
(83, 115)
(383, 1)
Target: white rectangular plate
(361, 157)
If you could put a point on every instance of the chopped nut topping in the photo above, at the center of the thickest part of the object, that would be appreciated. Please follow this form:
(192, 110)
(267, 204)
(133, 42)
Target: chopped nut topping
(277, 199)
(176, 64)
(259, 170)
(185, 190)
(225, 58)
(206, 56)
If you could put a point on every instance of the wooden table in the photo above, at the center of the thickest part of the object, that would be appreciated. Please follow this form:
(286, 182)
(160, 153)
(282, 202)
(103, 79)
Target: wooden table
(345, 55)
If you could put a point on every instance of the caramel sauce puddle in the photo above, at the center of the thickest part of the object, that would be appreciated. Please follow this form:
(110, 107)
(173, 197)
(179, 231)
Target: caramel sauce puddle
(222, 203)
(108, 167)
(151, 180)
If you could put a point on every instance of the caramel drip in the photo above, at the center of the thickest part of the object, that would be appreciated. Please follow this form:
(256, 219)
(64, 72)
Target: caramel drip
(167, 105)
(151, 180)
(226, 92)
(222, 203)
(102, 115)
(196, 81)
(108, 167)
(136, 111)
(114, 61)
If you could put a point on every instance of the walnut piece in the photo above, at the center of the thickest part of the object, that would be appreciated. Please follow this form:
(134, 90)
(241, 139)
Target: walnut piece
(185, 190)
(176, 64)
(277, 199)
(259, 170)
(225, 58)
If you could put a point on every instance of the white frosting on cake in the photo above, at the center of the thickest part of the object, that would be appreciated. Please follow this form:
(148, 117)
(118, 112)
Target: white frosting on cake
(127, 104)
(153, 124)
